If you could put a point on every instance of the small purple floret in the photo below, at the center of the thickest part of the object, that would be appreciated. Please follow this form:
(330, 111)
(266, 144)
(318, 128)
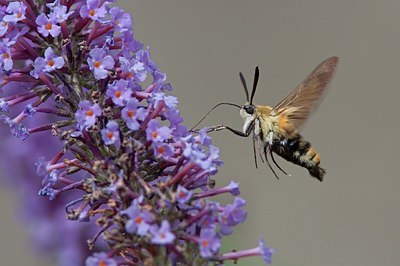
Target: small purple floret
(110, 134)
(4, 107)
(94, 9)
(209, 242)
(5, 58)
(131, 114)
(16, 11)
(29, 110)
(162, 235)
(119, 92)
(156, 133)
(139, 220)
(266, 252)
(100, 258)
(86, 115)
(48, 25)
(100, 63)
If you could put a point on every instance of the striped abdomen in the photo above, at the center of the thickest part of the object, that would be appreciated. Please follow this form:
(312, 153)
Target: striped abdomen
(299, 151)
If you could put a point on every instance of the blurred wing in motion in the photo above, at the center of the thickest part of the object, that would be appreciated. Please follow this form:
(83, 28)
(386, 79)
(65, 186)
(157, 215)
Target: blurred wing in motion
(304, 99)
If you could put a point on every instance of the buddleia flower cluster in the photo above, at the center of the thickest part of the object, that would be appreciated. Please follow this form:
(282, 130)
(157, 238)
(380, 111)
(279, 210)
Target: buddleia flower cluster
(136, 173)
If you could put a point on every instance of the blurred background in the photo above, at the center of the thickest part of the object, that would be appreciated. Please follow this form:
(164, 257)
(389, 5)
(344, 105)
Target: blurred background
(353, 217)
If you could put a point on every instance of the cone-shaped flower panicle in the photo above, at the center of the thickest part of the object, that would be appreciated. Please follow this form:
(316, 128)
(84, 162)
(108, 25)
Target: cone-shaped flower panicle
(73, 72)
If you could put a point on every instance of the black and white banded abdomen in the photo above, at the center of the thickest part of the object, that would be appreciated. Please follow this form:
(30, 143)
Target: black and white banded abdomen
(299, 151)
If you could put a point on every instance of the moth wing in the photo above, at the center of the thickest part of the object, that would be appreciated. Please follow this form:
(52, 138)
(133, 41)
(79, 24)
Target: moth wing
(304, 99)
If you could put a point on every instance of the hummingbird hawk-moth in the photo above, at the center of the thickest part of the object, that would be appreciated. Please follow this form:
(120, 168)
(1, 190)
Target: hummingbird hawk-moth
(276, 129)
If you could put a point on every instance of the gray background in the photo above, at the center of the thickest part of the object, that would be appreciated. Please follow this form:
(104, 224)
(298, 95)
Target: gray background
(352, 218)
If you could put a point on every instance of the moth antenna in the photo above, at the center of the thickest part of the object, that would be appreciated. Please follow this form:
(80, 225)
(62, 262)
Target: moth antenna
(212, 109)
(255, 82)
(244, 85)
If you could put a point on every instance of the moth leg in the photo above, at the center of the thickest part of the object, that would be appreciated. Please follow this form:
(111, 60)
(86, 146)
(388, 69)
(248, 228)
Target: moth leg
(270, 138)
(234, 131)
(277, 165)
(254, 149)
(266, 158)
(209, 129)
(260, 151)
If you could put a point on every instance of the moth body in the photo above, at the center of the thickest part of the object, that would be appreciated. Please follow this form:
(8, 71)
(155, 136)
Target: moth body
(276, 129)
(277, 134)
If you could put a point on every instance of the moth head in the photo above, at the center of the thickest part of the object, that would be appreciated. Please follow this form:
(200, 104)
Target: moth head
(249, 109)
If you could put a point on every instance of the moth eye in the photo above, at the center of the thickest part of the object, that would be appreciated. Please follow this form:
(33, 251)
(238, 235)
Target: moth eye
(249, 109)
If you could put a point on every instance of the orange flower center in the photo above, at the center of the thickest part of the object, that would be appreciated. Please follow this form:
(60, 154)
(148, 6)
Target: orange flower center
(162, 235)
(97, 64)
(92, 12)
(6, 56)
(204, 243)
(138, 220)
(4, 23)
(118, 94)
(19, 15)
(130, 75)
(50, 63)
(110, 135)
(102, 263)
(48, 26)
(181, 194)
(154, 134)
(89, 113)
(130, 113)
(161, 149)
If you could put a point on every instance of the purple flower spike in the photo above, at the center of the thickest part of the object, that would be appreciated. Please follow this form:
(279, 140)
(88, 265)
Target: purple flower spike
(162, 235)
(120, 161)
(209, 243)
(47, 25)
(156, 133)
(16, 11)
(100, 63)
(86, 115)
(110, 134)
(119, 92)
(100, 259)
